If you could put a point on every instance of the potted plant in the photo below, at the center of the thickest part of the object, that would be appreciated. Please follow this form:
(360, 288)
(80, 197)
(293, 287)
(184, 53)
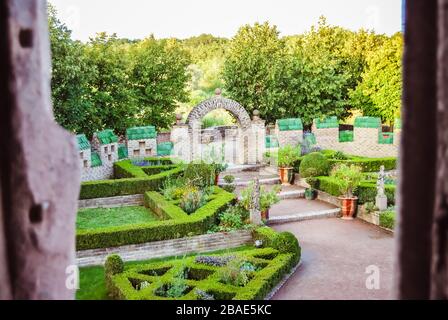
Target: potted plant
(310, 194)
(348, 177)
(218, 168)
(267, 199)
(287, 156)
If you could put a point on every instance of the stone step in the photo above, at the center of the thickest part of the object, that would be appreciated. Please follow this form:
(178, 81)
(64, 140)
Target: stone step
(244, 183)
(243, 168)
(294, 217)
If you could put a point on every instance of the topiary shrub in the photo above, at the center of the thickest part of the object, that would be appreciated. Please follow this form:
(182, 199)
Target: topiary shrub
(286, 242)
(314, 165)
(113, 265)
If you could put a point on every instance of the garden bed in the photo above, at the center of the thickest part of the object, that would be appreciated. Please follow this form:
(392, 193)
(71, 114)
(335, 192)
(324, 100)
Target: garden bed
(248, 274)
(175, 223)
(130, 178)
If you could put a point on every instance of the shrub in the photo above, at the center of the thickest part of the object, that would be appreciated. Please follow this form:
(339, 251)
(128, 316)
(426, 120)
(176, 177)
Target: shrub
(235, 273)
(113, 265)
(286, 242)
(192, 199)
(229, 186)
(387, 219)
(313, 165)
(348, 178)
(338, 155)
(366, 191)
(288, 155)
(214, 261)
(200, 174)
(267, 198)
(131, 180)
(179, 224)
(252, 275)
(232, 219)
(265, 234)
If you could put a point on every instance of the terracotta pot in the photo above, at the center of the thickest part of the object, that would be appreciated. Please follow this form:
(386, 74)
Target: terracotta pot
(348, 207)
(286, 175)
(265, 215)
(216, 179)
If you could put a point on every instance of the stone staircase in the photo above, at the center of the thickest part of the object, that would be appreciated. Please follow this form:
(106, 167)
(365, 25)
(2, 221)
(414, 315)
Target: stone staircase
(293, 206)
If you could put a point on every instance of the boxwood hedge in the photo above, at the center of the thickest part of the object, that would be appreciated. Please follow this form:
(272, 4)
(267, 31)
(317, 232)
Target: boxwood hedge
(273, 264)
(366, 191)
(129, 179)
(367, 164)
(177, 224)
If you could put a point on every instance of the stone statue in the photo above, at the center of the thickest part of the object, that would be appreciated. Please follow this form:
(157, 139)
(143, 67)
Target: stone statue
(381, 199)
(255, 212)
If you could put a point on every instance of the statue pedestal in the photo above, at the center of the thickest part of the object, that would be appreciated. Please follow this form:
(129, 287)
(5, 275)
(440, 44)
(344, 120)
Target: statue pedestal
(255, 217)
(381, 202)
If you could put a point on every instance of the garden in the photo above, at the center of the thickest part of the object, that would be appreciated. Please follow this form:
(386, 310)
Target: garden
(353, 179)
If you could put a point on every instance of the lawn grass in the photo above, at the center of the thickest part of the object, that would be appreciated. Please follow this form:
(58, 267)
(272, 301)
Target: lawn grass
(89, 219)
(91, 279)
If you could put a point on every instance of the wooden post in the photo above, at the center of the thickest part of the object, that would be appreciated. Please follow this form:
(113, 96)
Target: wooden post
(39, 169)
(418, 151)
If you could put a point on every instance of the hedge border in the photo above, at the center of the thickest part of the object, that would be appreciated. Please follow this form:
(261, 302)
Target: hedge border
(366, 191)
(277, 265)
(366, 164)
(130, 179)
(178, 225)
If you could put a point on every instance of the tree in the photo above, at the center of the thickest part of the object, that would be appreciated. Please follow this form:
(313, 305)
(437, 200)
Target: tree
(252, 70)
(159, 78)
(379, 92)
(71, 75)
(314, 85)
(110, 89)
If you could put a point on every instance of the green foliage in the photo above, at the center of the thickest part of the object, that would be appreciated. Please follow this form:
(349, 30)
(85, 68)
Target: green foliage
(158, 79)
(93, 218)
(339, 156)
(111, 82)
(232, 219)
(113, 265)
(286, 242)
(130, 180)
(387, 219)
(235, 273)
(200, 174)
(349, 177)
(379, 92)
(267, 198)
(192, 199)
(253, 70)
(250, 275)
(288, 155)
(366, 191)
(70, 78)
(313, 165)
(177, 223)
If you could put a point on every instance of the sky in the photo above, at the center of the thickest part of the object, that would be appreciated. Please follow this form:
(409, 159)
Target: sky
(137, 19)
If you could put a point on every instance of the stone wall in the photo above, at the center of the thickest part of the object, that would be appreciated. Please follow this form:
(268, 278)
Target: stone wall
(365, 142)
(142, 148)
(168, 248)
(103, 172)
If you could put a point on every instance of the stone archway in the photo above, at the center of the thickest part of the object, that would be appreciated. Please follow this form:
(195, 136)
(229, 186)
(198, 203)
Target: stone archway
(241, 144)
(218, 102)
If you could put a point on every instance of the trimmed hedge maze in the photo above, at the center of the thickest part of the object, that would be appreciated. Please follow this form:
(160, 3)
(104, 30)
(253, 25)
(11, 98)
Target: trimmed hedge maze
(132, 179)
(205, 277)
(175, 224)
(147, 178)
